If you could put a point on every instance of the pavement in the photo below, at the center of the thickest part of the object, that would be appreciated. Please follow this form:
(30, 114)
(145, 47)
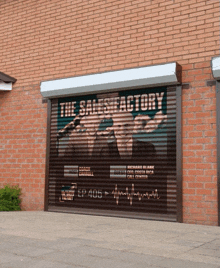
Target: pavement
(49, 239)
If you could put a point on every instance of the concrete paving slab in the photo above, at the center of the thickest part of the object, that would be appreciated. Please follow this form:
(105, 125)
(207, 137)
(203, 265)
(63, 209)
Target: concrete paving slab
(30, 251)
(208, 260)
(170, 263)
(46, 239)
(7, 257)
(86, 260)
(207, 252)
(36, 263)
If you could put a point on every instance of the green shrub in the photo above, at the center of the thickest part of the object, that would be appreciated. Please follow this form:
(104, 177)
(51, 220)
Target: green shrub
(9, 198)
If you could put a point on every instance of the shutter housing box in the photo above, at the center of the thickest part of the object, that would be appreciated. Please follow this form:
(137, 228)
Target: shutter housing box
(113, 152)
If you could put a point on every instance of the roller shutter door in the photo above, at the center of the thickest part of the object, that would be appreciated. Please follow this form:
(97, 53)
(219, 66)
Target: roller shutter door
(114, 154)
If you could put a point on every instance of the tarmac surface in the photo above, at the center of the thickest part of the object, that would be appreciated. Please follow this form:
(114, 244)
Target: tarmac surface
(47, 239)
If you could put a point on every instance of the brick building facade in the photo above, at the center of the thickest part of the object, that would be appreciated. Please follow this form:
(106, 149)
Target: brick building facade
(50, 40)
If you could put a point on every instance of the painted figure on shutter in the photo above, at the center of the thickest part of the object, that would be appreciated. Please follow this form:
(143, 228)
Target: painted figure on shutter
(125, 145)
(84, 142)
(112, 138)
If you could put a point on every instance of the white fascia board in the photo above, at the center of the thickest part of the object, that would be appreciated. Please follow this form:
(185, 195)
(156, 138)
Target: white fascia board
(5, 86)
(215, 63)
(165, 74)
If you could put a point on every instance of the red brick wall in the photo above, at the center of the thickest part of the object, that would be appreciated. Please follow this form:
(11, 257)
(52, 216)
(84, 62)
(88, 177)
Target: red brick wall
(42, 40)
(23, 139)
